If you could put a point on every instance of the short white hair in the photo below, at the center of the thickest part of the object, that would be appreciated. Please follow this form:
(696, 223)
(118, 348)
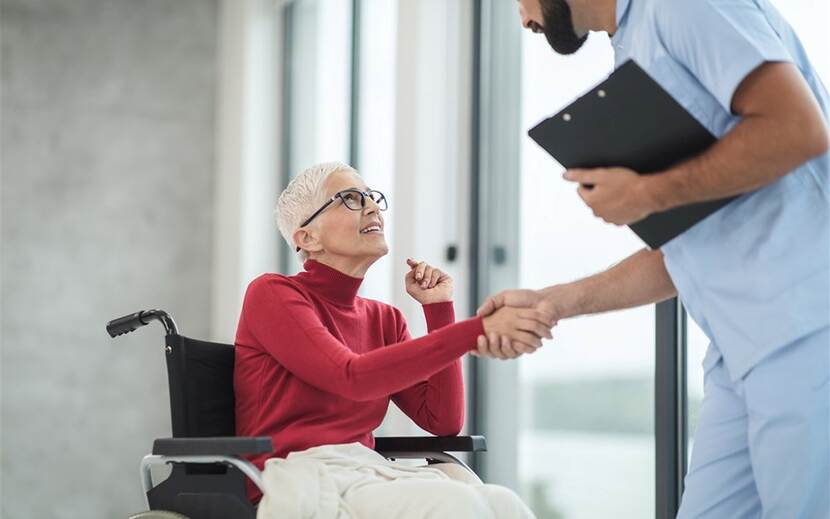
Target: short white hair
(303, 195)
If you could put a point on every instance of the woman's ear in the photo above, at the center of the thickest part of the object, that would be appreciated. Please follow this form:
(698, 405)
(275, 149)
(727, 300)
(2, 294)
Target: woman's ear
(307, 240)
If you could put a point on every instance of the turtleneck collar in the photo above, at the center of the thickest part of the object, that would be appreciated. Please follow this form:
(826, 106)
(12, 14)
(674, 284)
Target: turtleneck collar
(329, 283)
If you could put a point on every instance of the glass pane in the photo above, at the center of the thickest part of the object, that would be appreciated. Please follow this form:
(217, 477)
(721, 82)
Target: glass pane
(376, 124)
(586, 446)
(319, 54)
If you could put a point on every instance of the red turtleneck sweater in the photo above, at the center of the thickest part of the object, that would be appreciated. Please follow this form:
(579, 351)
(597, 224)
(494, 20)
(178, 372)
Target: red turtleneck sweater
(317, 365)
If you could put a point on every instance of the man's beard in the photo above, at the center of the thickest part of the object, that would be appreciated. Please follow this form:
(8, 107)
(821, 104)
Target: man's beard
(559, 27)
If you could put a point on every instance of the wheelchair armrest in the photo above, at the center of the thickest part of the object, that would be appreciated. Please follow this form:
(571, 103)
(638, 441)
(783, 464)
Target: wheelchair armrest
(430, 444)
(218, 446)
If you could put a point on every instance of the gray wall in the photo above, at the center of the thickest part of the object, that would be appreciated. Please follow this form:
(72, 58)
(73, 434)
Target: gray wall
(107, 187)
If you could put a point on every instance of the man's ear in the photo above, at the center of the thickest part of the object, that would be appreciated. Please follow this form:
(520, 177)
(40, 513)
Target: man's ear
(307, 240)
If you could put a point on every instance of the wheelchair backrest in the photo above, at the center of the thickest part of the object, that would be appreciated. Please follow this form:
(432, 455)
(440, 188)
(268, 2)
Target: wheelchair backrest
(200, 377)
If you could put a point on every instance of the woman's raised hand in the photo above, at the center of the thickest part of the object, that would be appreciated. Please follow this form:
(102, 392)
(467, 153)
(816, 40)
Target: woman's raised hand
(427, 284)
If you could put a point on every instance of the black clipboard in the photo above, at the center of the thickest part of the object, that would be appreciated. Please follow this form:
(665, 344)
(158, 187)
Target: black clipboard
(629, 120)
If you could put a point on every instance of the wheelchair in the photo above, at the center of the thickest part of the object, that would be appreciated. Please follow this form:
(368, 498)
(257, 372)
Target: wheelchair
(208, 470)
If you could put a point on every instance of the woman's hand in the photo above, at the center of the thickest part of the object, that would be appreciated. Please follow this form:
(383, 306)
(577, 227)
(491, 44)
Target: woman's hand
(426, 284)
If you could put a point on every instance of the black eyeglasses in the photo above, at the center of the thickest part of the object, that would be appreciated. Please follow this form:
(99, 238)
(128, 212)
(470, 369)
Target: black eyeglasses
(353, 199)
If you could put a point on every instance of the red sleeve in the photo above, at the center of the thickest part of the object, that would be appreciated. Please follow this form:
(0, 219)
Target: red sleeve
(284, 323)
(437, 403)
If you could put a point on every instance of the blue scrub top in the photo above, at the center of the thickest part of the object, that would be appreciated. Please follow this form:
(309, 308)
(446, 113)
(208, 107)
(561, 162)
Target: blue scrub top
(755, 275)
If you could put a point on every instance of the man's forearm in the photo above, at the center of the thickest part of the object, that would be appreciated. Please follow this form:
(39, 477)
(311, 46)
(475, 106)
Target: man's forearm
(749, 157)
(781, 127)
(639, 279)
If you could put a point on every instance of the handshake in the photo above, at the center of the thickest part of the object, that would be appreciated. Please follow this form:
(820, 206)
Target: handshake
(515, 322)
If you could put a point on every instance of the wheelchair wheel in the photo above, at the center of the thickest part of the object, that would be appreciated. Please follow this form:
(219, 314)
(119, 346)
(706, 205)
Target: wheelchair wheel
(158, 514)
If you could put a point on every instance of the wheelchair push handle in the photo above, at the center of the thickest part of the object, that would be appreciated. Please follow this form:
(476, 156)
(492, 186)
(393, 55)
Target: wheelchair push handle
(129, 323)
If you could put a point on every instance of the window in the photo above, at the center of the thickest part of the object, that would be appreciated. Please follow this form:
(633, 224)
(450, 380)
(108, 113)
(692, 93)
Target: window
(402, 126)
(317, 90)
(374, 112)
(570, 427)
(586, 446)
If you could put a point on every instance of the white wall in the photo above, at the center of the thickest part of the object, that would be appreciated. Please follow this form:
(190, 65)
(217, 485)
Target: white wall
(107, 141)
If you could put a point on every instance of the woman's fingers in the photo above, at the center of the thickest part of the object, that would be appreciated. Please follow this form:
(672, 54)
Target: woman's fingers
(419, 269)
(423, 275)
(416, 266)
(481, 347)
(495, 345)
(436, 275)
(427, 276)
(501, 347)
(526, 337)
(507, 350)
(523, 348)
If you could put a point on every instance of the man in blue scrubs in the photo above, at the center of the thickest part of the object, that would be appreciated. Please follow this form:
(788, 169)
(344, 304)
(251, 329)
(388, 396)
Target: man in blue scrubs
(755, 275)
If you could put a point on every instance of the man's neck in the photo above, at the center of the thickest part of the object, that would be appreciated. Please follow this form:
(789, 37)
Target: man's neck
(594, 15)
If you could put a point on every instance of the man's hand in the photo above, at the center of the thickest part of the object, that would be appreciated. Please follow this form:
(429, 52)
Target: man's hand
(427, 284)
(637, 280)
(521, 298)
(617, 195)
(513, 331)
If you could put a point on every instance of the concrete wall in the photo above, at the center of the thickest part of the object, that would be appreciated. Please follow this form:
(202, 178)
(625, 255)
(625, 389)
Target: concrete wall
(108, 123)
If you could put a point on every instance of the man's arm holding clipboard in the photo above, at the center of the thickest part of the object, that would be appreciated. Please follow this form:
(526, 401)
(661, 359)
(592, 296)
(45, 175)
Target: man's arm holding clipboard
(781, 123)
(781, 128)
(756, 151)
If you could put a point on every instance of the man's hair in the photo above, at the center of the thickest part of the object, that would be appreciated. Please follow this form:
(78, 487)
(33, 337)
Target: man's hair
(303, 195)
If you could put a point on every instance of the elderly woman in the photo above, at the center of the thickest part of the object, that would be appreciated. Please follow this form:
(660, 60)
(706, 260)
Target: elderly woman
(316, 365)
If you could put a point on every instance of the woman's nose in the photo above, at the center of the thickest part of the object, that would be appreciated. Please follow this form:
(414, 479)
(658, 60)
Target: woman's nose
(370, 206)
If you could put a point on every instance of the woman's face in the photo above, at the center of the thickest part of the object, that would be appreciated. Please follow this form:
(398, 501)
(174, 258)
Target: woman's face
(347, 233)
